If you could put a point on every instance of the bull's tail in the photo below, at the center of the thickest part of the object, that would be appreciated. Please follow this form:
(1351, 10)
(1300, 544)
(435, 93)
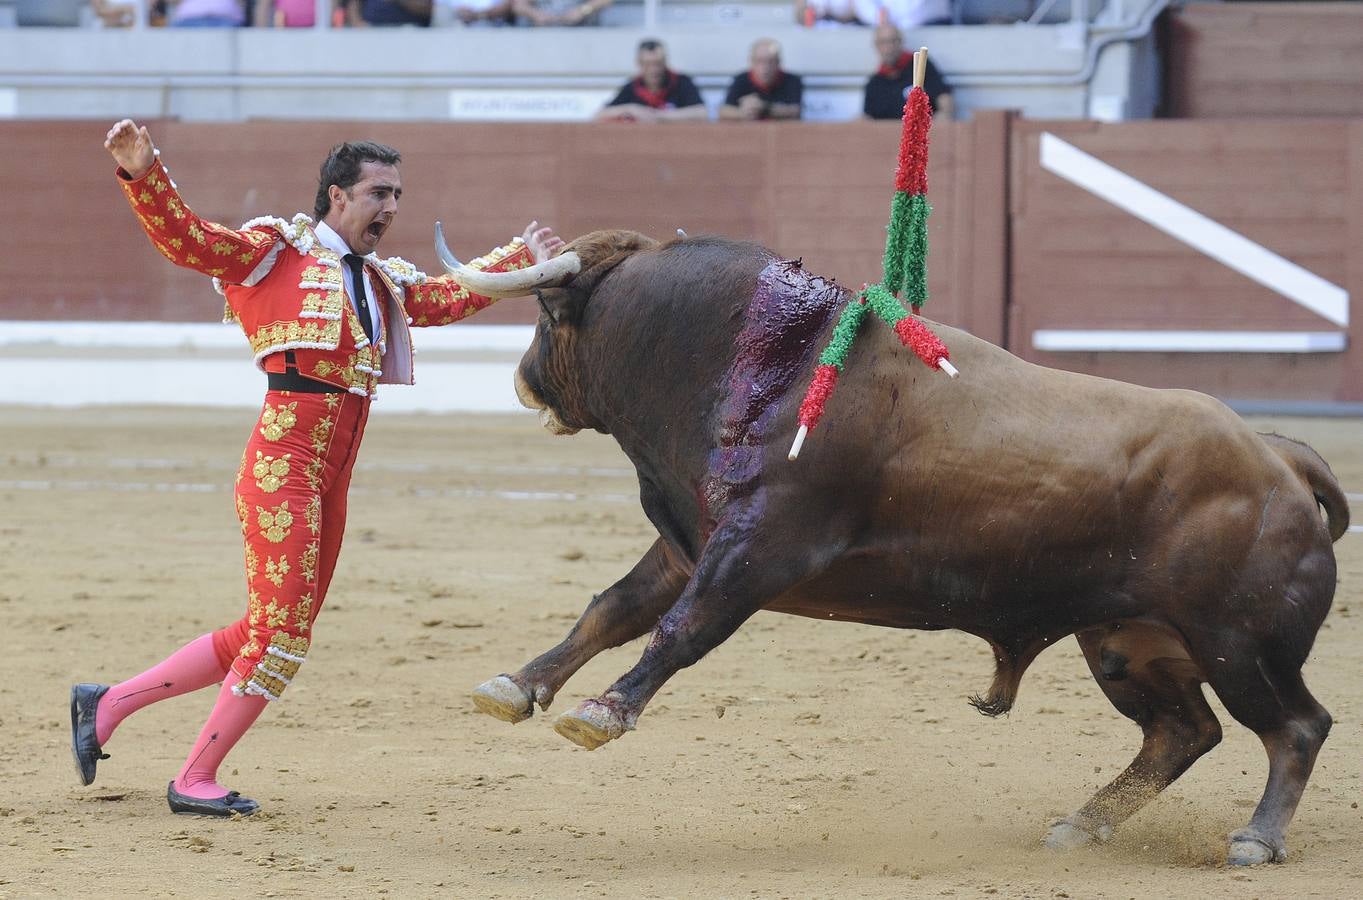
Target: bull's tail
(1315, 473)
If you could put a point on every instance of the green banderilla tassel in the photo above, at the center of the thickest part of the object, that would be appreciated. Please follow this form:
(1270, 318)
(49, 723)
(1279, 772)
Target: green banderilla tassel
(885, 304)
(844, 333)
(914, 287)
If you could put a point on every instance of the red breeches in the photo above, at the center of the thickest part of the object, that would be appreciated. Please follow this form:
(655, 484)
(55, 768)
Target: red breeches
(291, 500)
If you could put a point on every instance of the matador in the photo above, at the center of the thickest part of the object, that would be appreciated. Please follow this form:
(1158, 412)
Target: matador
(327, 320)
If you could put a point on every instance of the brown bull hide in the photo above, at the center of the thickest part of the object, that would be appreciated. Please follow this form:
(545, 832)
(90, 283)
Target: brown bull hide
(1017, 503)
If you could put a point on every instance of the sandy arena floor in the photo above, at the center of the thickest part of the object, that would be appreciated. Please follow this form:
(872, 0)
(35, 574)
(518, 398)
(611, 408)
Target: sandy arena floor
(801, 759)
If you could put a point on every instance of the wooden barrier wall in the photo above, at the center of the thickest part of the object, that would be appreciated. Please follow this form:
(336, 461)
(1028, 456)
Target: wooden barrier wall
(1014, 248)
(1079, 262)
(821, 192)
(1232, 60)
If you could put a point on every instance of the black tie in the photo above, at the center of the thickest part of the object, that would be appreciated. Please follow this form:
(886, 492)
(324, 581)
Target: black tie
(356, 264)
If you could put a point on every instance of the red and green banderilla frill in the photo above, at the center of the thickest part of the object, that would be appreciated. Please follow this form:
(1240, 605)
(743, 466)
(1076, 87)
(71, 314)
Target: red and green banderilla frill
(905, 268)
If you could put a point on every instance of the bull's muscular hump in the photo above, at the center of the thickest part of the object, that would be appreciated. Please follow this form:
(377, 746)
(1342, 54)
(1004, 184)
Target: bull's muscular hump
(1017, 503)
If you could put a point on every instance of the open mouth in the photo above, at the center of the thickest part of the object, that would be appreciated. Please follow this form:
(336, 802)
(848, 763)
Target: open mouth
(375, 230)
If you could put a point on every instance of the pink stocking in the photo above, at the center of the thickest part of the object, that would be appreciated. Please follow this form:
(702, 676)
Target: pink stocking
(231, 717)
(193, 666)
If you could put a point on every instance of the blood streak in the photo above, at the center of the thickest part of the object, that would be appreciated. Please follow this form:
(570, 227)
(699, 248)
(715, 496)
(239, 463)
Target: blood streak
(790, 309)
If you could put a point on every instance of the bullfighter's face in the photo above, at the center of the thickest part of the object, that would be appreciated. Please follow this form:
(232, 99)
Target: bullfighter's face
(362, 214)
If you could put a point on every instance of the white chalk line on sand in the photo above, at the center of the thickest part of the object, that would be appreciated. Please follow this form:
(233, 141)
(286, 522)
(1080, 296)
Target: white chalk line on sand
(67, 461)
(206, 487)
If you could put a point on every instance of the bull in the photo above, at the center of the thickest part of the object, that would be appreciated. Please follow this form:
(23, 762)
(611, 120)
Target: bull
(1019, 503)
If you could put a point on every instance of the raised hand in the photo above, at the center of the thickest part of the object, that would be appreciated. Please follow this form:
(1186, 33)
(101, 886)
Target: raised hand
(543, 243)
(131, 147)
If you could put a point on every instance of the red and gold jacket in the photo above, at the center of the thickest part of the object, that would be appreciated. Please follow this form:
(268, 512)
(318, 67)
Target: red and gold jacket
(286, 291)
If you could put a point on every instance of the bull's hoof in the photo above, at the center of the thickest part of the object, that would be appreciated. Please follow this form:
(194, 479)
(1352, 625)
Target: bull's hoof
(590, 725)
(1248, 849)
(503, 699)
(1066, 834)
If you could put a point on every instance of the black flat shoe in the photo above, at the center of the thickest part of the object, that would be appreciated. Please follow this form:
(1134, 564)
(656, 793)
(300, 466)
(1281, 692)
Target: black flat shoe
(222, 807)
(84, 747)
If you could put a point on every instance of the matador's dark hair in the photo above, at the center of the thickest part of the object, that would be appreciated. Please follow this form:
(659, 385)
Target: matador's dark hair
(342, 168)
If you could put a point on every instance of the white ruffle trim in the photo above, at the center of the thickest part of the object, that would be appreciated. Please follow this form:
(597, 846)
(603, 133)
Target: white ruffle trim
(283, 654)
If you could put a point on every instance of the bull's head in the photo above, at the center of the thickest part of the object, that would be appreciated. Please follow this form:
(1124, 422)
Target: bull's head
(549, 377)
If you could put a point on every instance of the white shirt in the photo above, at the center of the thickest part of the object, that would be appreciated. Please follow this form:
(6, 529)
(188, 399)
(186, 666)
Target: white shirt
(328, 238)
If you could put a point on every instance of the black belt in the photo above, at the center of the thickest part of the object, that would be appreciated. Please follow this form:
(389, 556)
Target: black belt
(290, 380)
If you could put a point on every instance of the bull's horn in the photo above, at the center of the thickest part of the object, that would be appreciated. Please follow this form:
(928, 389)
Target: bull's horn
(508, 284)
(442, 250)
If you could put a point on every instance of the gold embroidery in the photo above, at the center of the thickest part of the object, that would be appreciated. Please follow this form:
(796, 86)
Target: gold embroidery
(322, 275)
(313, 471)
(145, 197)
(303, 613)
(243, 511)
(276, 523)
(309, 562)
(175, 208)
(275, 423)
(294, 646)
(270, 473)
(197, 233)
(275, 615)
(275, 571)
(252, 564)
(325, 333)
(333, 401)
(254, 610)
(192, 260)
(176, 243)
(247, 256)
(223, 248)
(312, 515)
(321, 434)
(158, 221)
(241, 469)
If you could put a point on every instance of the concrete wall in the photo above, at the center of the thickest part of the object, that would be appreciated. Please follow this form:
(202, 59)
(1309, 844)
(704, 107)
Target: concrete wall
(407, 74)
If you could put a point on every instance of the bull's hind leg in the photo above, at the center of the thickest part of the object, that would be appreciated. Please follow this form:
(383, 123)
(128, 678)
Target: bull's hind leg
(1146, 672)
(1276, 706)
(623, 612)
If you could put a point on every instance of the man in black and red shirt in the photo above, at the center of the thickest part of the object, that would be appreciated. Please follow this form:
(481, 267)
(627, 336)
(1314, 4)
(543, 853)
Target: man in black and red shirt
(657, 94)
(765, 91)
(889, 87)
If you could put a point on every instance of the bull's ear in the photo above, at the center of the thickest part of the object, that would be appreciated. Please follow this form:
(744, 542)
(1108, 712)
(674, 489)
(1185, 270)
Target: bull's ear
(562, 305)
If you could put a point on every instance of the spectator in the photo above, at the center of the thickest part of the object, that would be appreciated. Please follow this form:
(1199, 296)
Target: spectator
(115, 13)
(207, 14)
(285, 13)
(360, 13)
(826, 12)
(903, 13)
(559, 12)
(889, 87)
(765, 91)
(477, 13)
(658, 94)
(908, 14)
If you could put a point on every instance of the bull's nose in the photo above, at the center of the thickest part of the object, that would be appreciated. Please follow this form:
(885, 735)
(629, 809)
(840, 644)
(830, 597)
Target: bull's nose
(525, 394)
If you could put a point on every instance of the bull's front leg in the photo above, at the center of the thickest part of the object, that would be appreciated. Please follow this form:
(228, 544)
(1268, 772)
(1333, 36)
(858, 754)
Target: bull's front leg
(740, 571)
(623, 612)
